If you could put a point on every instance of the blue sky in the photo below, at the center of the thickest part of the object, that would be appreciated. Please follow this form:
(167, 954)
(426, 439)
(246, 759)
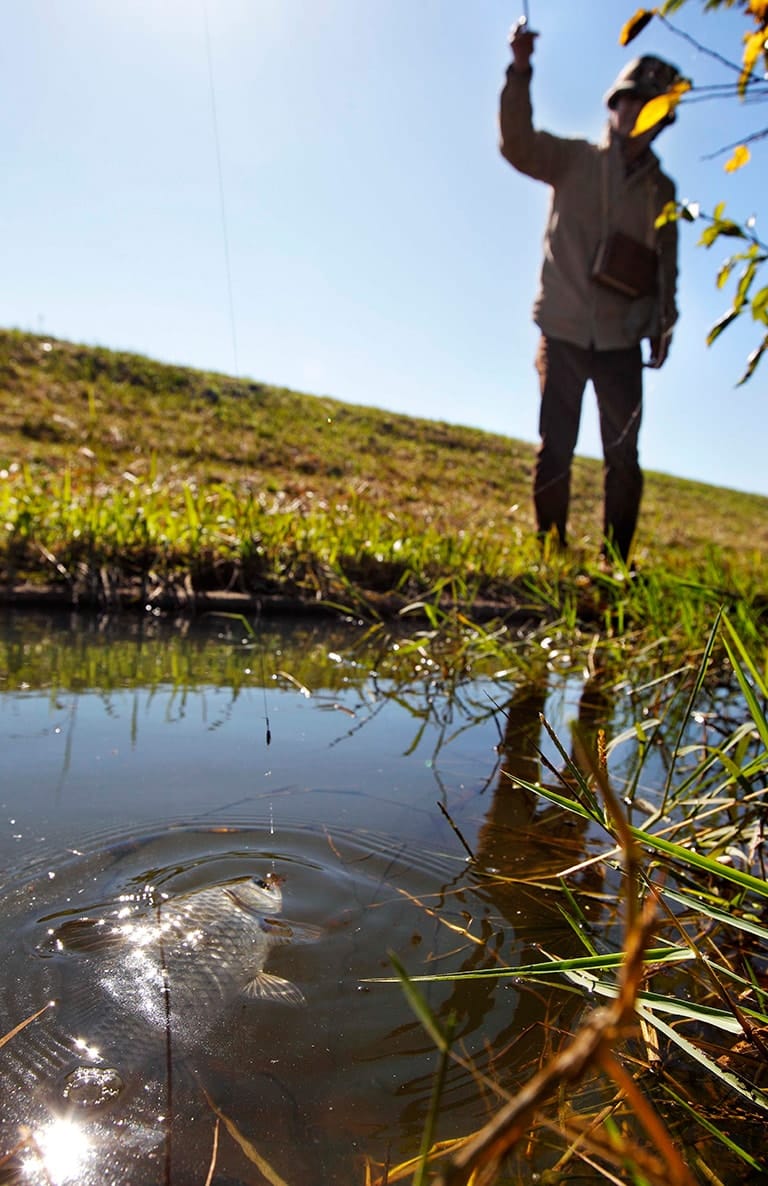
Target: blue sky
(380, 250)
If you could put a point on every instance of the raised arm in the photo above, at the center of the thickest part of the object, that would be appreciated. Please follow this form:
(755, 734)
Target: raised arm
(537, 154)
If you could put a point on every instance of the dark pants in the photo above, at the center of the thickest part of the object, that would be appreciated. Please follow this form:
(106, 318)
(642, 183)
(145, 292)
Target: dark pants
(617, 378)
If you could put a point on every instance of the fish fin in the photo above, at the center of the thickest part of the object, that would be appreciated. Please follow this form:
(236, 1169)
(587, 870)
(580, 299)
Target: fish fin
(87, 935)
(274, 988)
(282, 930)
(302, 932)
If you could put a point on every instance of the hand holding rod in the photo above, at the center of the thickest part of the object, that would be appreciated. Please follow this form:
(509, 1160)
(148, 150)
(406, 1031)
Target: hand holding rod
(521, 40)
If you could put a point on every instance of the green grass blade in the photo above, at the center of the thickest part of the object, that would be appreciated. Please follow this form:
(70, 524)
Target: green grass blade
(553, 797)
(613, 959)
(719, 1019)
(714, 868)
(714, 1131)
(742, 667)
(430, 1124)
(692, 698)
(418, 1004)
(727, 1078)
(726, 917)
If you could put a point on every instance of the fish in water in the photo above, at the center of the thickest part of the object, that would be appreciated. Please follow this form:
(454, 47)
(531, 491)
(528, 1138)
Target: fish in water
(176, 964)
(147, 982)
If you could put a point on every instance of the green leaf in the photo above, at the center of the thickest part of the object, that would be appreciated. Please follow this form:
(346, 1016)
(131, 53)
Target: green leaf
(744, 285)
(753, 688)
(685, 1010)
(753, 360)
(671, 213)
(584, 963)
(713, 1129)
(760, 305)
(722, 324)
(709, 865)
(692, 697)
(720, 227)
(725, 271)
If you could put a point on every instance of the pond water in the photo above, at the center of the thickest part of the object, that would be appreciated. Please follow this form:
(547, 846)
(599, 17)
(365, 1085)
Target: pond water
(143, 764)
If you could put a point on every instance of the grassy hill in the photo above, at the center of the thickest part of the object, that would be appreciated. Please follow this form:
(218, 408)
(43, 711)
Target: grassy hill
(110, 459)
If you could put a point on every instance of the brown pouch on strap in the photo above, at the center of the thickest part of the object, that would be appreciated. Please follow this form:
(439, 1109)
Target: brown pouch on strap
(626, 265)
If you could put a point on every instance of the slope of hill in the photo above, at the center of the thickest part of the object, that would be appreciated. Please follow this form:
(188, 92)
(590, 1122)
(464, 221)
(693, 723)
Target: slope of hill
(87, 428)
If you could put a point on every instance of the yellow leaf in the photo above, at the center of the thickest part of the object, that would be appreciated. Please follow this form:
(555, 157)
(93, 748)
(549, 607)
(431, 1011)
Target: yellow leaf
(637, 24)
(753, 44)
(759, 9)
(738, 160)
(655, 110)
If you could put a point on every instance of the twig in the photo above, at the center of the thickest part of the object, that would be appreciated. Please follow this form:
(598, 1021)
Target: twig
(702, 49)
(214, 1153)
(592, 1045)
(456, 830)
(594, 1040)
(23, 1024)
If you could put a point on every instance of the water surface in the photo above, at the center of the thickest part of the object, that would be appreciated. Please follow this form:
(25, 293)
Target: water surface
(156, 759)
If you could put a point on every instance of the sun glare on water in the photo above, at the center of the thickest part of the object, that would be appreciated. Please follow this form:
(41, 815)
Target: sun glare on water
(60, 1151)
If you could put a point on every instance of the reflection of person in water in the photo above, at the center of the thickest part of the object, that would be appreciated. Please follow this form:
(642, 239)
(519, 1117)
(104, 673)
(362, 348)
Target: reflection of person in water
(519, 823)
(525, 839)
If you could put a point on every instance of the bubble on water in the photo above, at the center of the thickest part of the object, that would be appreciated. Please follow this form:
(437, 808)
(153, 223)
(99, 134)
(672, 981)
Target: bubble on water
(92, 1087)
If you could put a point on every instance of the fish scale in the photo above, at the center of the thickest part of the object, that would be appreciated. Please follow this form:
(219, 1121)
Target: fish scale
(181, 963)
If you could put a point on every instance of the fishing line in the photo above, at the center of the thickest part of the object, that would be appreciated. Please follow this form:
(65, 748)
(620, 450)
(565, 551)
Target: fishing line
(230, 290)
(166, 989)
(263, 673)
(222, 200)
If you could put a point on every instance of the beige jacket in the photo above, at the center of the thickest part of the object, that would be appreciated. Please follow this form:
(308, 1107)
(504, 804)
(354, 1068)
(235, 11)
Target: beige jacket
(592, 194)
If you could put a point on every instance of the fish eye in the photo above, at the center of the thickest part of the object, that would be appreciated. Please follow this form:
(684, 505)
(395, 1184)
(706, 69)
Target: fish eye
(261, 883)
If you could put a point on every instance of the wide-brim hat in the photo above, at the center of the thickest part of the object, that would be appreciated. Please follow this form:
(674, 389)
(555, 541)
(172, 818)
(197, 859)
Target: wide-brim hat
(643, 78)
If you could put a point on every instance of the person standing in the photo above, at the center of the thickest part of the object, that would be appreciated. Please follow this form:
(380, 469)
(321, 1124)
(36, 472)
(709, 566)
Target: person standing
(608, 281)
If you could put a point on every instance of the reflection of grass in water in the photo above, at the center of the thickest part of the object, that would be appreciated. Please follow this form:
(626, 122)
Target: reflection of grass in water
(37, 652)
(695, 884)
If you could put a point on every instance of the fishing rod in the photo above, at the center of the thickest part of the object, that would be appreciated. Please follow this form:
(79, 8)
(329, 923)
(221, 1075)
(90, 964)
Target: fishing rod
(524, 22)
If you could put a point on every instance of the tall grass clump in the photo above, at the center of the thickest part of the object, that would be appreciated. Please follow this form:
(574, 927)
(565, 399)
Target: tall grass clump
(665, 1077)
